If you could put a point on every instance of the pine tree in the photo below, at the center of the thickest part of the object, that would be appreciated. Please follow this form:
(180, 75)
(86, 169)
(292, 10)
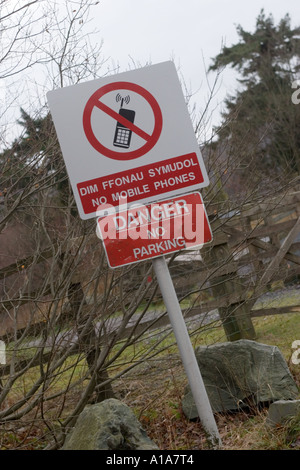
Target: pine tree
(33, 161)
(261, 119)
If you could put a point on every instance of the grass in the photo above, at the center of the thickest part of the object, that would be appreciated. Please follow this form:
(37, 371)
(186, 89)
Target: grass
(154, 390)
(280, 330)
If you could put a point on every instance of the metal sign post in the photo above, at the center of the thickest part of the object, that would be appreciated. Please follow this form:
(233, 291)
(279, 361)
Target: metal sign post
(186, 351)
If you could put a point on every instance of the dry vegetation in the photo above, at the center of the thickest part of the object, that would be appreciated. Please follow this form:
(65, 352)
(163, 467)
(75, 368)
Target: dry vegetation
(157, 401)
(55, 284)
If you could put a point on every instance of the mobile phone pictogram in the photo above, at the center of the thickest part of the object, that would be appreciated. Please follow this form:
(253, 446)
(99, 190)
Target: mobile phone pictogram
(123, 135)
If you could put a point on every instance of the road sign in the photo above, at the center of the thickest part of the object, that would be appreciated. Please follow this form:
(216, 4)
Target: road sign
(148, 231)
(128, 136)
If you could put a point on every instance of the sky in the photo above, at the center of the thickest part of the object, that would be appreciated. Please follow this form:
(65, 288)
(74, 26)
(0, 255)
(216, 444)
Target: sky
(190, 32)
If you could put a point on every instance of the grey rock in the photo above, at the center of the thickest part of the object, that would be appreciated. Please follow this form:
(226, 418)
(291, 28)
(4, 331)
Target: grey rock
(280, 410)
(109, 425)
(241, 373)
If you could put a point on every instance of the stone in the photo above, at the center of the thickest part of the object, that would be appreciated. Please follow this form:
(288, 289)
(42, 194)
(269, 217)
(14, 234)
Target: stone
(281, 410)
(109, 425)
(239, 374)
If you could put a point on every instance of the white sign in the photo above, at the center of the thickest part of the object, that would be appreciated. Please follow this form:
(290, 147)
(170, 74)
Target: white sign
(127, 136)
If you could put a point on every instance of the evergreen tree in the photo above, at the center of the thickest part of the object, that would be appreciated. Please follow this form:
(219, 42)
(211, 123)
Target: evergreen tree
(34, 160)
(261, 119)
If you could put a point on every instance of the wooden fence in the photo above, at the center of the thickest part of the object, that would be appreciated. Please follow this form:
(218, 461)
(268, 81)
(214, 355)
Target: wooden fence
(252, 247)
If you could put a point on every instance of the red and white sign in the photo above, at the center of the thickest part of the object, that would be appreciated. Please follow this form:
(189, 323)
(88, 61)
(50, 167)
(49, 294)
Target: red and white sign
(127, 135)
(147, 181)
(149, 231)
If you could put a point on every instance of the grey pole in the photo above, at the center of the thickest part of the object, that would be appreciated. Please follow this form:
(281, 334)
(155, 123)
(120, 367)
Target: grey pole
(186, 351)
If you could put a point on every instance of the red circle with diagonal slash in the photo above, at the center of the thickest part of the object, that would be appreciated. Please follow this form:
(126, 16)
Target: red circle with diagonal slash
(94, 101)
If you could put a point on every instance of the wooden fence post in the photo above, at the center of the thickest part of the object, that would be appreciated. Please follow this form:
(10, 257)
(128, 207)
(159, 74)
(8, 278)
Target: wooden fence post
(236, 318)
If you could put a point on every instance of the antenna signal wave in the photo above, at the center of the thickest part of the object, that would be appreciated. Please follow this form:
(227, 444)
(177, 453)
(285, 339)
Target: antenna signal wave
(120, 98)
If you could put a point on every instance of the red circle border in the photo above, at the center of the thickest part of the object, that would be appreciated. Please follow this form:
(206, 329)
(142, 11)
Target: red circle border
(87, 126)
